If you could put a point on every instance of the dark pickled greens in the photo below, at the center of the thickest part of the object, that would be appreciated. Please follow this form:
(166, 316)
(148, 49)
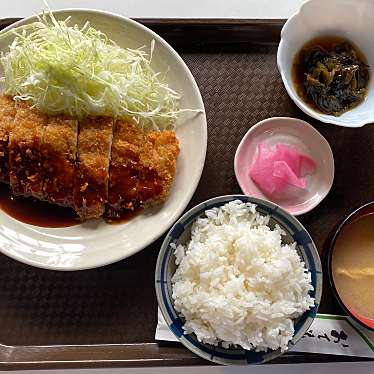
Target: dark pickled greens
(335, 80)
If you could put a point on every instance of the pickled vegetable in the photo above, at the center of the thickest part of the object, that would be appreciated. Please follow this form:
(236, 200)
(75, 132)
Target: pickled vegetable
(335, 79)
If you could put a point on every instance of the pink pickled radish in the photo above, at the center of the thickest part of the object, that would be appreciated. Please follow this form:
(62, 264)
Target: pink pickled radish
(276, 170)
(284, 172)
(265, 180)
(300, 163)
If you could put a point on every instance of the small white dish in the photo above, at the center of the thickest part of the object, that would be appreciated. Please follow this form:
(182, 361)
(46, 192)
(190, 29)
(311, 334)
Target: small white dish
(96, 243)
(350, 19)
(308, 140)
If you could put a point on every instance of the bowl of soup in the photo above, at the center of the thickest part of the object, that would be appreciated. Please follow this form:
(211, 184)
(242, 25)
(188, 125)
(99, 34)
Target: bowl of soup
(351, 265)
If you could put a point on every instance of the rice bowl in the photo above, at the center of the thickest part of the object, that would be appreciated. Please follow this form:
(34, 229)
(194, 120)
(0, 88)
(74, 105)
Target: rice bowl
(166, 268)
(236, 283)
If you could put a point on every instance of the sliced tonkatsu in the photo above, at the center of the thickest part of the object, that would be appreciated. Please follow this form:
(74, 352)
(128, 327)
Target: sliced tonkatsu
(59, 155)
(25, 163)
(92, 173)
(128, 141)
(96, 166)
(7, 114)
(142, 168)
(157, 167)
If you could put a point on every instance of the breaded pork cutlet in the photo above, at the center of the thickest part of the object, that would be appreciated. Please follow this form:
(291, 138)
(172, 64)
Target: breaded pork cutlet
(128, 141)
(26, 171)
(157, 167)
(59, 154)
(142, 168)
(92, 174)
(7, 114)
(95, 167)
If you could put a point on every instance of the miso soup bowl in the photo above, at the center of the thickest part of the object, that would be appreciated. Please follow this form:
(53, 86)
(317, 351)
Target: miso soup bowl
(349, 19)
(358, 213)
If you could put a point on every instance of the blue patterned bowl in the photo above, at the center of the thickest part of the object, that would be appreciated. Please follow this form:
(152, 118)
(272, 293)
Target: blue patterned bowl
(165, 268)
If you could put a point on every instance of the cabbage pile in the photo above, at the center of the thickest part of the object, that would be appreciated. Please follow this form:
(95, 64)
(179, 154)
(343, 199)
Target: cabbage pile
(79, 71)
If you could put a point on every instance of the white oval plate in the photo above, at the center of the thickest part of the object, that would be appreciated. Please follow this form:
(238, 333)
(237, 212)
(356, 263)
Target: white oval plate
(96, 243)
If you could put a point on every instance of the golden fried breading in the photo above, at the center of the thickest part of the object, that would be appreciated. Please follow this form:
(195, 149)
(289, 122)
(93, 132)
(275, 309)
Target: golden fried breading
(123, 180)
(157, 167)
(59, 153)
(26, 171)
(96, 166)
(92, 175)
(142, 167)
(7, 114)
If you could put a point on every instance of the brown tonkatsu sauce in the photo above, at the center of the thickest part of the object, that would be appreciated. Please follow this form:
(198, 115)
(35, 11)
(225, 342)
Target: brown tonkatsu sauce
(124, 216)
(35, 212)
(43, 214)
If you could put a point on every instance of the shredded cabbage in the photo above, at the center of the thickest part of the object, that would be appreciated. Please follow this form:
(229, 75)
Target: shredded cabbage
(80, 71)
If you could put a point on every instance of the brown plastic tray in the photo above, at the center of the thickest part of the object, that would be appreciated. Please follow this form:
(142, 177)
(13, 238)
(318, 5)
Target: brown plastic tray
(106, 317)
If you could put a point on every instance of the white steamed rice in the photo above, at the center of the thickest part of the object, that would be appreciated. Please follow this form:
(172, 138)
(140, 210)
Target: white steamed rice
(236, 283)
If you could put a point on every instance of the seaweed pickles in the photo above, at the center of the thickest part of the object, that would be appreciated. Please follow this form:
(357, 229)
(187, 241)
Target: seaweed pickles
(331, 75)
